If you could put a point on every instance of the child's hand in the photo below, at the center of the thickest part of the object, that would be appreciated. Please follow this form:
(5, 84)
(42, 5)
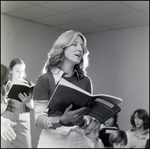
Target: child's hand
(24, 98)
(87, 120)
(7, 132)
(5, 98)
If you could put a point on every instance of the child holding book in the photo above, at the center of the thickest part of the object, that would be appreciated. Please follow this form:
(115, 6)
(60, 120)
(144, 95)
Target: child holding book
(17, 111)
(68, 59)
(139, 133)
(111, 124)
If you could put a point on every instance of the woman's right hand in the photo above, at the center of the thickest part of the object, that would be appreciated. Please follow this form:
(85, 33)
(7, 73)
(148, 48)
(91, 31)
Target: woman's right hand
(74, 116)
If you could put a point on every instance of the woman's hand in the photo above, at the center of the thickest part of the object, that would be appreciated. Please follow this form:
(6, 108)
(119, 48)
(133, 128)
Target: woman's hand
(7, 132)
(74, 116)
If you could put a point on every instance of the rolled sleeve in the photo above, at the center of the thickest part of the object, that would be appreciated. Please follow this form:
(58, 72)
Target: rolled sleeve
(40, 113)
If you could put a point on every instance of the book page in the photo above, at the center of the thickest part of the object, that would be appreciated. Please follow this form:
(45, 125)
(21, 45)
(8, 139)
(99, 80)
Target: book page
(68, 84)
(109, 98)
(105, 102)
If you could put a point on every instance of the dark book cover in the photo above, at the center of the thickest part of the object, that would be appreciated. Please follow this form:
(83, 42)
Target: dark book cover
(17, 88)
(102, 106)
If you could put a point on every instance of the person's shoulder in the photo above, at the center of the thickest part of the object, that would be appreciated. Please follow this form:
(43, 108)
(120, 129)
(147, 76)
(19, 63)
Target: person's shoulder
(102, 126)
(100, 143)
(86, 78)
(146, 132)
(130, 131)
(27, 82)
(45, 75)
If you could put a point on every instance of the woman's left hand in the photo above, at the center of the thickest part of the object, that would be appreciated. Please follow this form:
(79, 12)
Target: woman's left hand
(73, 116)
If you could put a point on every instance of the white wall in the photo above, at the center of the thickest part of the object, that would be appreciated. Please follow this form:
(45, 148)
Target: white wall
(31, 42)
(119, 65)
(118, 61)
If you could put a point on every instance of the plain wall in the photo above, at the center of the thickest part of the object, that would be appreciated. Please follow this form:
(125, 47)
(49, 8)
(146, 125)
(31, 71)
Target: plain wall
(119, 66)
(29, 41)
(118, 61)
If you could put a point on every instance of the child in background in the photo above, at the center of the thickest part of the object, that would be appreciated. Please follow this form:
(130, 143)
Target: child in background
(4, 79)
(111, 122)
(17, 111)
(91, 134)
(118, 139)
(138, 135)
(106, 128)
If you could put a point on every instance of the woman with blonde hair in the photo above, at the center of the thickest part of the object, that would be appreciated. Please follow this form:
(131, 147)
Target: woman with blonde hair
(68, 59)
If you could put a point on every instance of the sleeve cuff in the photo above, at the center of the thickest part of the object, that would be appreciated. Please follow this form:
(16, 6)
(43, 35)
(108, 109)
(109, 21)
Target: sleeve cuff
(52, 122)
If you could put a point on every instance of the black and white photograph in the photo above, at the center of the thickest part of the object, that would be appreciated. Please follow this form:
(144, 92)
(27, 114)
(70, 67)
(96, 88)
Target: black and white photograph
(75, 74)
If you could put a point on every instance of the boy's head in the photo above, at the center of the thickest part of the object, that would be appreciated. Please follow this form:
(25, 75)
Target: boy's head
(118, 139)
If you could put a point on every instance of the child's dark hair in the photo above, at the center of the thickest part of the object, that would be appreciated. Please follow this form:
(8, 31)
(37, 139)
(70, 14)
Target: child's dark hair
(116, 120)
(15, 61)
(142, 114)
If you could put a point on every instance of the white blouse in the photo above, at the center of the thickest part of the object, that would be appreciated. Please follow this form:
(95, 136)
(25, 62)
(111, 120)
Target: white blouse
(136, 140)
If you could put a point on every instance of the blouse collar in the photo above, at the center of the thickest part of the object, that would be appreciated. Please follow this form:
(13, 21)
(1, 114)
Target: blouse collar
(58, 73)
(145, 132)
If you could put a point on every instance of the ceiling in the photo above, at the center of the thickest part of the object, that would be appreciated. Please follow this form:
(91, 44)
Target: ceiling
(84, 16)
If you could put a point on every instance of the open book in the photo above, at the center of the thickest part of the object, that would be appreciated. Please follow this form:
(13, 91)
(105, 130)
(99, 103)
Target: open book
(19, 88)
(102, 106)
